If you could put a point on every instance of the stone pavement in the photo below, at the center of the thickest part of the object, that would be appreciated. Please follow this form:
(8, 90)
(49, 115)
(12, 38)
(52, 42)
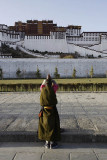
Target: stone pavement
(83, 116)
(36, 151)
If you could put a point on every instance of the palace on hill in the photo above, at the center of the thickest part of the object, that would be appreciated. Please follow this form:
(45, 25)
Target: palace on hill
(47, 36)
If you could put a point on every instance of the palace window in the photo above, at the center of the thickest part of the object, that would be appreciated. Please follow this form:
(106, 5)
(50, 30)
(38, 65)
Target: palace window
(74, 31)
(89, 39)
(96, 39)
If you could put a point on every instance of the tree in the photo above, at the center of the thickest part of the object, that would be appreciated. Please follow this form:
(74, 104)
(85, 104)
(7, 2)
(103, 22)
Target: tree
(18, 72)
(56, 74)
(91, 72)
(38, 74)
(74, 73)
(1, 74)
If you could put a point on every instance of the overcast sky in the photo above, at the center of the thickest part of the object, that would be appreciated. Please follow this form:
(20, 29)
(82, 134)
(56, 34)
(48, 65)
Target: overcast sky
(90, 14)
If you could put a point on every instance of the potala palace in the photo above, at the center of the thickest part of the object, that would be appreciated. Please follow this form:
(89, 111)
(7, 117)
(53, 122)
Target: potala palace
(47, 36)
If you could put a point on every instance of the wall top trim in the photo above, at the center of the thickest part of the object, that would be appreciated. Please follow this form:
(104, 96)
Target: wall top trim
(52, 60)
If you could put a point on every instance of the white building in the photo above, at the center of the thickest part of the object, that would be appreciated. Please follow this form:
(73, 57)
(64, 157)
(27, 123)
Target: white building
(86, 38)
(3, 27)
(7, 36)
(86, 43)
(69, 41)
(56, 42)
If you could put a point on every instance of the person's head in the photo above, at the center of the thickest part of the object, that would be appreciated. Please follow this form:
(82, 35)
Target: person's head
(48, 76)
(48, 80)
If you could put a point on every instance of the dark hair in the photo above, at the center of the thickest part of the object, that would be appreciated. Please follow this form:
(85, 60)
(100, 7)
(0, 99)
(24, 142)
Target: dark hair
(48, 76)
(48, 80)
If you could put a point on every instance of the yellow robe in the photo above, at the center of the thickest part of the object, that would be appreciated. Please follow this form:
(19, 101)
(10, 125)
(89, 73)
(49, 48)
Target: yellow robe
(49, 124)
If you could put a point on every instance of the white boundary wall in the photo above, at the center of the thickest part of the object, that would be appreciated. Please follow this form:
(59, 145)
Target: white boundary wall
(65, 67)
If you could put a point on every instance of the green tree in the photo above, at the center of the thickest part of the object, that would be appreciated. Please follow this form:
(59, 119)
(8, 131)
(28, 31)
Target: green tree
(1, 74)
(91, 72)
(74, 73)
(56, 74)
(38, 74)
(18, 73)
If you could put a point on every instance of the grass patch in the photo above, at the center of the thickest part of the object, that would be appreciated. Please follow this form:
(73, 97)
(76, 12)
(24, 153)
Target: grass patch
(82, 80)
(67, 57)
(59, 81)
(83, 84)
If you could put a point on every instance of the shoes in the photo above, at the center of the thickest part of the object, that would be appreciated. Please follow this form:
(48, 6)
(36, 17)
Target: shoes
(47, 145)
(53, 145)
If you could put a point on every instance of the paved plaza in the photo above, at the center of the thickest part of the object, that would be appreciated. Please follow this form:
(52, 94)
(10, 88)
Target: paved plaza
(36, 151)
(82, 116)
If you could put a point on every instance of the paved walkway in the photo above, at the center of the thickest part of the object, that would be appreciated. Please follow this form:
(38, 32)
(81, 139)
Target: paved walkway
(36, 151)
(83, 116)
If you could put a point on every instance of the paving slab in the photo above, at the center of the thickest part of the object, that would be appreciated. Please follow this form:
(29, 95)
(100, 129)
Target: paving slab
(56, 156)
(83, 116)
(7, 156)
(83, 156)
(28, 156)
(102, 156)
(65, 151)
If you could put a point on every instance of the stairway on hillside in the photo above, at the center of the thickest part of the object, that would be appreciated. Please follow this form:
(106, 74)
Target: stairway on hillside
(30, 53)
(83, 51)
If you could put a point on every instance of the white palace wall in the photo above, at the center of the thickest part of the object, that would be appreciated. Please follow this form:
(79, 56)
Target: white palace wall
(8, 37)
(58, 45)
(104, 45)
(96, 47)
(50, 45)
(100, 47)
(65, 67)
(84, 51)
(0, 36)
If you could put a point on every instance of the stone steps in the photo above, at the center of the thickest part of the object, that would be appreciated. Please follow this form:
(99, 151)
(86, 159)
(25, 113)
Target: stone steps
(66, 137)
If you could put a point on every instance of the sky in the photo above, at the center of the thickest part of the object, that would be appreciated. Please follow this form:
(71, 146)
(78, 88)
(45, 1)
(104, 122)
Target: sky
(90, 14)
